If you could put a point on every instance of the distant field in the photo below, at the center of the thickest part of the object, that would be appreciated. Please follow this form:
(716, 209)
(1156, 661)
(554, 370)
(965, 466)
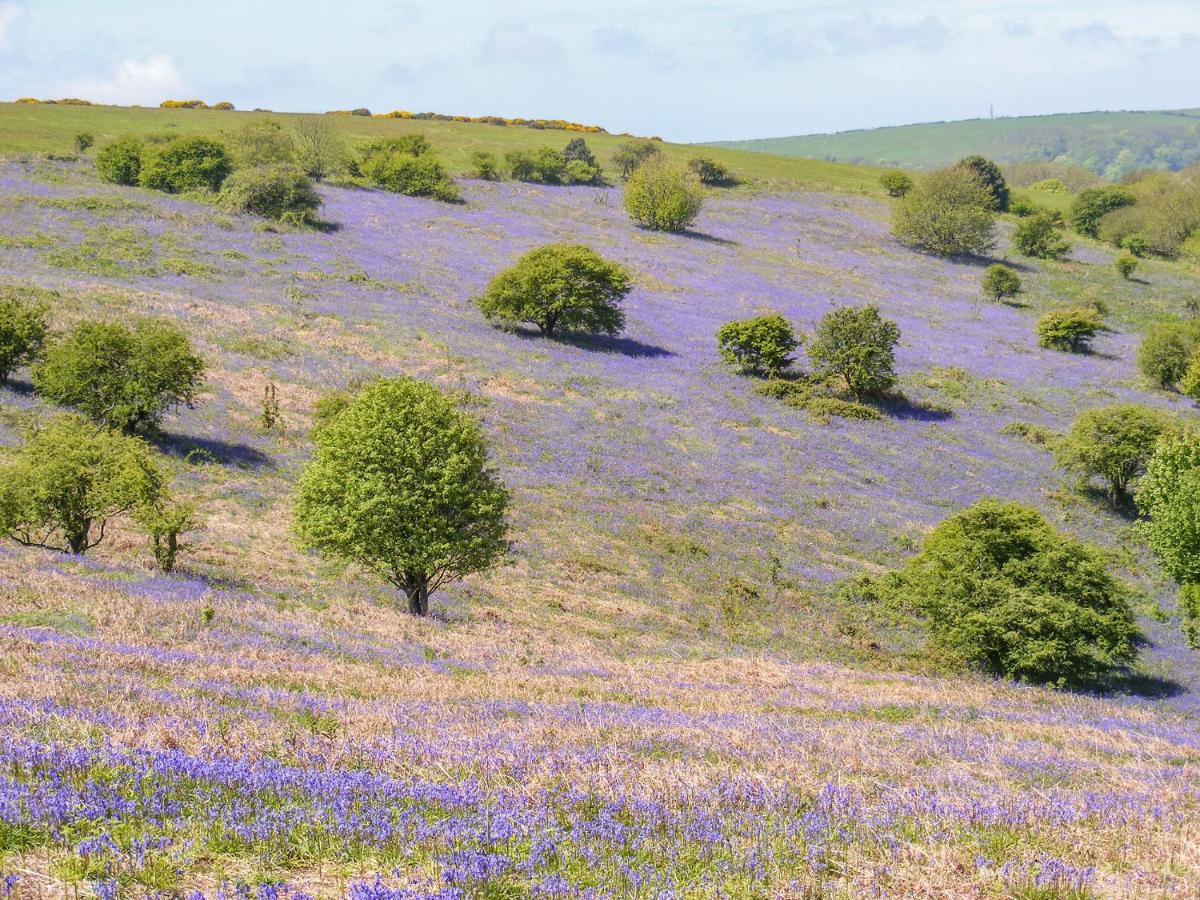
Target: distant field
(1107, 143)
(26, 128)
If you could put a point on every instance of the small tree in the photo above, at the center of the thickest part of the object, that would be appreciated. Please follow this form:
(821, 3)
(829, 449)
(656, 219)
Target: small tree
(319, 150)
(121, 161)
(992, 178)
(948, 213)
(1113, 443)
(631, 154)
(189, 164)
(661, 197)
(412, 174)
(1125, 264)
(484, 165)
(857, 345)
(1040, 236)
(1166, 350)
(1168, 495)
(1069, 330)
(126, 378)
(281, 193)
(578, 150)
(896, 183)
(263, 142)
(399, 485)
(560, 286)
(1094, 204)
(761, 346)
(68, 480)
(1000, 282)
(1189, 384)
(84, 141)
(711, 173)
(165, 520)
(22, 329)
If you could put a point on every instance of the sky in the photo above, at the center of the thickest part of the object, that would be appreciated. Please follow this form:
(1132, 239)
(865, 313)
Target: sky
(687, 71)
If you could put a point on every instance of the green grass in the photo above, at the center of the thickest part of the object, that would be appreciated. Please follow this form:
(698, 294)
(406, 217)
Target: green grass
(32, 129)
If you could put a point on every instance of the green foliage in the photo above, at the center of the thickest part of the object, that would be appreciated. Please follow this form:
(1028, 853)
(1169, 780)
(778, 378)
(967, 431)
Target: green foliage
(1188, 604)
(415, 175)
(165, 520)
(121, 161)
(1168, 495)
(803, 395)
(1050, 186)
(631, 154)
(896, 183)
(1069, 330)
(1125, 264)
(559, 286)
(1022, 209)
(711, 173)
(992, 178)
(484, 165)
(857, 345)
(68, 480)
(1002, 589)
(1137, 244)
(1093, 205)
(188, 164)
(319, 150)
(1113, 443)
(543, 166)
(1189, 384)
(282, 193)
(124, 377)
(22, 328)
(761, 346)
(399, 485)
(1166, 350)
(577, 150)
(84, 141)
(662, 197)
(263, 142)
(576, 171)
(948, 213)
(1000, 282)
(1040, 236)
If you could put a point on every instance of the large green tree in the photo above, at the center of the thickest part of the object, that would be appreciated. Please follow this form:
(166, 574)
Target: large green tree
(949, 213)
(1113, 443)
(856, 344)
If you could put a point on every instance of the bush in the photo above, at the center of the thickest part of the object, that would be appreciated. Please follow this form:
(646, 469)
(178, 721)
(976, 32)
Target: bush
(22, 329)
(1000, 282)
(661, 197)
(1070, 330)
(84, 141)
(857, 345)
(578, 172)
(577, 150)
(1189, 384)
(1050, 186)
(189, 164)
(121, 161)
(948, 213)
(628, 156)
(545, 166)
(1094, 204)
(760, 346)
(278, 192)
(1166, 350)
(164, 520)
(1188, 604)
(1125, 264)
(1040, 236)
(399, 485)
(126, 378)
(1168, 495)
(411, 175)
(1023, 209)
(319, 150)
(1001, 588)
(559, 286)
(263, 142)
(896, 183)
(1113, 443)
(991, 177)
(484, 165)
(1137, 244)
(65, 483)
(711, 173)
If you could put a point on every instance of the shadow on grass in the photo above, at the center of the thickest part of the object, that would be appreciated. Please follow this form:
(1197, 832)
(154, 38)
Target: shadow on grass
(898, 406)
(600, 343)
(199, 449)
(1140, 685)
(708, 238)
(18, 387)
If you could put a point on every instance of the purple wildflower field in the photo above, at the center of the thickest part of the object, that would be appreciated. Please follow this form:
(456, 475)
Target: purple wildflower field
(602, 716)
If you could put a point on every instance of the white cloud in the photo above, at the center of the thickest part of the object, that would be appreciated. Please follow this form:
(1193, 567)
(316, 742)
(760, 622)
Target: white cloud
(516, 43)
(9, 13)
(146, 81)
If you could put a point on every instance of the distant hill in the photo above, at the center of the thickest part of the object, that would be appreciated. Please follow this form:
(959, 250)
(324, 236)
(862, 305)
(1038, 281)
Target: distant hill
(1108, 143)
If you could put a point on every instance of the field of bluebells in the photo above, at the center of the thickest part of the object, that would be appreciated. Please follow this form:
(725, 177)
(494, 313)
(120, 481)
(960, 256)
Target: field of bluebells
(658, 695)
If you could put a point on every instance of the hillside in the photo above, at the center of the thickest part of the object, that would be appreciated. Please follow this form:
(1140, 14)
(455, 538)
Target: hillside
(1107, 143)
(660, 694)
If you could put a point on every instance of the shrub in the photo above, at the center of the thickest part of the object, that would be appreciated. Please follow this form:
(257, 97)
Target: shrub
(545, 166)
(1168, 495)
(189, 164)
(277, 192)
(68, 480)
(631, 154)
(124, 377)
(409, 174)
(1000, 282)
(577, 150)
(22, 329)
(661, 197)
(857, 345)
(1070, 330)
(896, 183)
(1189, 384)
(319, 150)
(578, 172)
(711, 173)
(484, 165)
(1113, 443)
(559, 286)
(412, 144)
(1094, 204)
(1050, 186)
(761, 346)
(399, 485)
(224, 106)
(1125, 264)
(121, 161)
(948, 213)
(1188, 603)
(1002, 589)
(84, 141)
(263, 142)
(1166, 350)
(164, 520)
(1040, 236)
(991, 177)
(1137, 244)
(1023, 209)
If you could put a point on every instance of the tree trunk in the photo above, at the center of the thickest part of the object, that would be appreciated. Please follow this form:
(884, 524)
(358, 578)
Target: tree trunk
(416, 588)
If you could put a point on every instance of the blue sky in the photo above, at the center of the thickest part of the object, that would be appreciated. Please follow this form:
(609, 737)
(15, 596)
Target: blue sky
(690, 71)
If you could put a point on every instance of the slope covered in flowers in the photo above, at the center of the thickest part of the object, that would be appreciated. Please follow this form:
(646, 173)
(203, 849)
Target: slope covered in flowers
(659, 695)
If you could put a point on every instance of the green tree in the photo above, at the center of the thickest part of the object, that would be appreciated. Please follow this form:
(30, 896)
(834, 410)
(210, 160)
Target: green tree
(560, 286)
(1125, 264)
(1000, 282)
(165, 520)
(662, 197)
(992, 178)
(761, 346)
(410, 174)
(124, 377)
(857, 345)
(188, 164)
(63, 486)
(1040, 236)
(121, 161)
(948, 213)
(578, 150)
(1168, 496)
(631, 154)
(22, 328)
(1069, 330)
(711, 173)
(1094, 204)
(1189, 384)
(319, 150)
(1113, 443)
(281, 193)
(576, 171)
(896, 183)
(543, 166)
(1166, 350)
(83, 141)
(399, 485)
(263, 142)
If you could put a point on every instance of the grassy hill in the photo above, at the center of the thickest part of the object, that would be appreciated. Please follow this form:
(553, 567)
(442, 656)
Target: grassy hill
(660, 694)
(1107, 143)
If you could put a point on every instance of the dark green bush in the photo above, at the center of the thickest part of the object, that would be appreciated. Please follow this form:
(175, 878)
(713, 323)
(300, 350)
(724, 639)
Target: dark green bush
(662, 197)
(576, 171)
(992, 178)
(1094, 204)
(631, 154)
(187, 164)
(761, 346)
(711, 173)
(121, 161)
(1070, 330)
(1040, 236)
(543, 166)
(577, 150)
(22, 328)
(896, 183)
(1000, 282)
(263, 142)
(413, 175)
(856, 345)
(484, 165)
(281, 193)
